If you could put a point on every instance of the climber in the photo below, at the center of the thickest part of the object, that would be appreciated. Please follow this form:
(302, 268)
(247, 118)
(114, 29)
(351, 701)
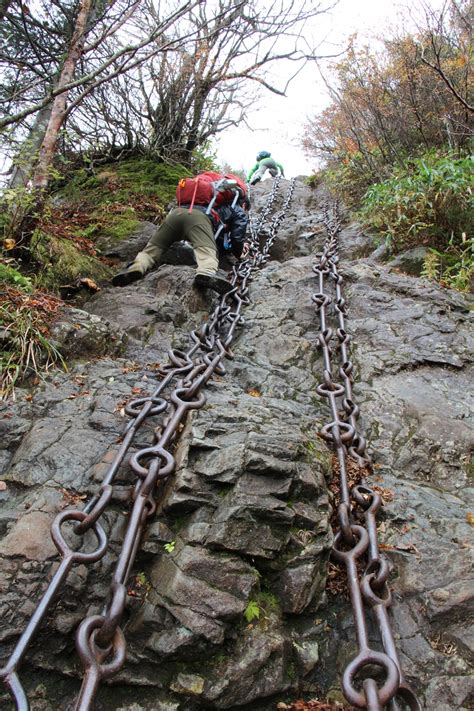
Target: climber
(212, 216)
(264, 162)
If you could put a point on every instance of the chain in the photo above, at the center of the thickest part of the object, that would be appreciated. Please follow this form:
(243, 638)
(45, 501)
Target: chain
(356, 541)
(100, 640)
(262, 255)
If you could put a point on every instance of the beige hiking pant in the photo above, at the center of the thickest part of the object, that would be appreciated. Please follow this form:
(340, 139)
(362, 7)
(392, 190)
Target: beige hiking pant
(181, 224)
(258, 175)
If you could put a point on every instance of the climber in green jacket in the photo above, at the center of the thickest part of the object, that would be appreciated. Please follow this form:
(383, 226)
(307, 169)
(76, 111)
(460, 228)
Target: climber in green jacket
(264, 162)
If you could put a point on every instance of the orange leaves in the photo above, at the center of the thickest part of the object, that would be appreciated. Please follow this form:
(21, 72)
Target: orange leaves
(46, 304)
(254, 392)
(90, 283)
(313, 705)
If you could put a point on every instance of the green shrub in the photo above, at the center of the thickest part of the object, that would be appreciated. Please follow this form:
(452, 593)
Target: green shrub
(265, 603)
(314, 180)
(429, 202)
(10, 275)
(453, 268)
(204, 158)
(348, 175)
(252, 611)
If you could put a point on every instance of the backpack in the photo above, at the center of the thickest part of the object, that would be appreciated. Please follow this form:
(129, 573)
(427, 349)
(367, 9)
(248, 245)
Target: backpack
(203, 189)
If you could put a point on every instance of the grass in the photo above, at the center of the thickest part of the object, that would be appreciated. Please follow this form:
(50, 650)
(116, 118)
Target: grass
(25, 349)
(10, 275)
(428, 202)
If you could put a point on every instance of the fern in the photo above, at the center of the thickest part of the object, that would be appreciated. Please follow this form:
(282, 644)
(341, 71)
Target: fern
(252, 611)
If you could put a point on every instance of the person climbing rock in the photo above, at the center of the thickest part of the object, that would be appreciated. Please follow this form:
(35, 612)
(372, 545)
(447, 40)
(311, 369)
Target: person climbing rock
(264, 162)
(212, 216)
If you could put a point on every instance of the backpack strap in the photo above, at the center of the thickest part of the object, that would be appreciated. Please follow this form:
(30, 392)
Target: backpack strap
(194, 194)
(222, 225)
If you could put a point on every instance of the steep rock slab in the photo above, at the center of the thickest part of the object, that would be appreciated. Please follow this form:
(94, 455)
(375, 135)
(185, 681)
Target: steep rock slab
(245, 518)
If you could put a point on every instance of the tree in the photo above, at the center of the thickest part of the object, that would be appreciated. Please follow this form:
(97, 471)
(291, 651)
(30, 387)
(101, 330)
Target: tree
(59, 104)
(131, 75)
(446, 47)
(57, 54)
(391, 104)
(180, 99)
(77, 46)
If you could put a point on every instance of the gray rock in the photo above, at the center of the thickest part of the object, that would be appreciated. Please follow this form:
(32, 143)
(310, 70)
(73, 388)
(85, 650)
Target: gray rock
(245, 517)
(258, 669)
(411, 261)
(307, 655)
(77, 334)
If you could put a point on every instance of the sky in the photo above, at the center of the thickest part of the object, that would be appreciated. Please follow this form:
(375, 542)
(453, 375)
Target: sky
(276, 124)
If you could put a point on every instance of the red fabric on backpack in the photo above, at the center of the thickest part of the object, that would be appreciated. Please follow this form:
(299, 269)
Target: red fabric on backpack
(200, 189)
(241, 185)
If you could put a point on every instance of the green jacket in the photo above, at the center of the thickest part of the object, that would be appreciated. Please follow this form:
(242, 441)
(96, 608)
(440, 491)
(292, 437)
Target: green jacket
(268, 163)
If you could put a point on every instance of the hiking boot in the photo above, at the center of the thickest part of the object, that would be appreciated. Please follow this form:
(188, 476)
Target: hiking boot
(213, 281)
(126, 277)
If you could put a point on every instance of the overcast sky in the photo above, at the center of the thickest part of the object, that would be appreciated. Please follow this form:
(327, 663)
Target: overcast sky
(277, 123)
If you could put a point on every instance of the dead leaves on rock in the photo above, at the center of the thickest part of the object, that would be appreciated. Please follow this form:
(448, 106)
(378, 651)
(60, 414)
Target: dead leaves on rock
(254, 392)
(313, 705)
(72, 498)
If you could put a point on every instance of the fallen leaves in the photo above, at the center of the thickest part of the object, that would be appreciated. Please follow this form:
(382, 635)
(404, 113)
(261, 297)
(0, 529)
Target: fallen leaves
(254, 392)
(72, 498)
(403, 547)
(386, 495)
(336, 581)
(313, 705)
(82, 393)
(440, 645)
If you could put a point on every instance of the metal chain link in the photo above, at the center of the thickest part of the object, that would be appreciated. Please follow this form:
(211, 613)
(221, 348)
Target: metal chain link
(356, 541)
(99, 640)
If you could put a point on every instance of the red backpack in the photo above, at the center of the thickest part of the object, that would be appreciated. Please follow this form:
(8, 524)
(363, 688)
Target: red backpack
(201, 190)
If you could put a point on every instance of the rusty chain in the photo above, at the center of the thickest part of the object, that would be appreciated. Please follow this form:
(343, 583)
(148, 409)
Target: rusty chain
(100, 640)
(356, 541)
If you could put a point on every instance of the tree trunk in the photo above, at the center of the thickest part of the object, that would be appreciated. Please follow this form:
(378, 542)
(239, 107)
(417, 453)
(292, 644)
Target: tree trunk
(59, 106)
(26, 158)
(4, 4)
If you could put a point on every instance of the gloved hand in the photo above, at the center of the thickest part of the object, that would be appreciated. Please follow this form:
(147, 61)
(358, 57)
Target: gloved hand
(245, 250)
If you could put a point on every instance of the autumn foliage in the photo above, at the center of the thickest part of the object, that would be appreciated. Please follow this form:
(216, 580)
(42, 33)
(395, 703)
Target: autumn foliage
(410, 96)
(395, 139)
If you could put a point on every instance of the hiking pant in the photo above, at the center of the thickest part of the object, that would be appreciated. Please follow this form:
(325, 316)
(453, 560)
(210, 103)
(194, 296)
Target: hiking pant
(258, 175)
(181, 224)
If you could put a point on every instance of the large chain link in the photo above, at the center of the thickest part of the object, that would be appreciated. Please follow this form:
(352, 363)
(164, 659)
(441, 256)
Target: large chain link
(100, 641)
(356, 541)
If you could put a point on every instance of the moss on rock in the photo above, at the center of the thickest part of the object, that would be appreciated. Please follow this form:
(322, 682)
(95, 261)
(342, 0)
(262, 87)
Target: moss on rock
(62, 262)
(122, 182)
(114, 200)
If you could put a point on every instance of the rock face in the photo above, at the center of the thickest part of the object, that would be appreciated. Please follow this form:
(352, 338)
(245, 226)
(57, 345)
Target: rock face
(226, 604)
